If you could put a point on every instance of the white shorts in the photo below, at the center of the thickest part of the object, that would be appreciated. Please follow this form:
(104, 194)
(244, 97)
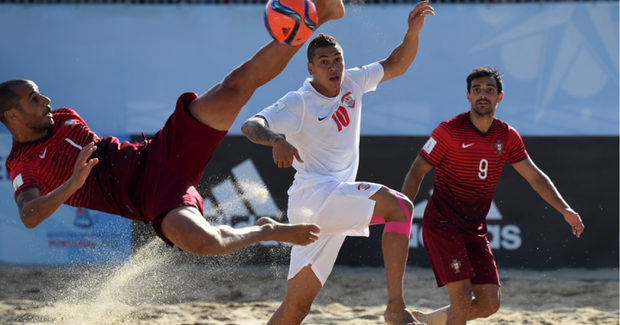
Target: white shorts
(340, 209)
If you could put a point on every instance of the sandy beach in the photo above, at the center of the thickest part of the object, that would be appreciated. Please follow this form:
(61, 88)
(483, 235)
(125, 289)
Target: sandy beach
(162, 286)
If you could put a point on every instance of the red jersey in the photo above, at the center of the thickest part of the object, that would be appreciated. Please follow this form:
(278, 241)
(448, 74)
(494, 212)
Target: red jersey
(48, 163)
(468, 164)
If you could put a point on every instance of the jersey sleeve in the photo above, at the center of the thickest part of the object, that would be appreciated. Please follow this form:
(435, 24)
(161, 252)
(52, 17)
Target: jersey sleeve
(286, 115)
(437, 145)
(516, 147)
(368, 76)
(24, 176)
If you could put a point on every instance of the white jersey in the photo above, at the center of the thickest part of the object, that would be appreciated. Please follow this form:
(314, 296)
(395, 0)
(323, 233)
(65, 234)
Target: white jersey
(325, 130)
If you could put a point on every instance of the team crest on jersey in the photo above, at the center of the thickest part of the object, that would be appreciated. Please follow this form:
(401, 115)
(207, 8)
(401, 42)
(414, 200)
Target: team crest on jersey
(348, 100)
(69, 123)
(363, 186)
(499, 147)
(456, 266)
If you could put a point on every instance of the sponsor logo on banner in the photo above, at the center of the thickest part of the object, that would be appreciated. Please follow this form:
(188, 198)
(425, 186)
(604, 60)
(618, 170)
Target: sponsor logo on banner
(241, 199)
(507, 236)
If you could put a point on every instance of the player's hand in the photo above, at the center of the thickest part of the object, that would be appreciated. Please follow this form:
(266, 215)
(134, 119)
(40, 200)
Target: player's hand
(574, 220)
(284, 153)
(418, 14)
(83, 166)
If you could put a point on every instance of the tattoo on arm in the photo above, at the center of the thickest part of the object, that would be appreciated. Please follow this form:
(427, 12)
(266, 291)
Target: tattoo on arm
(258, 131)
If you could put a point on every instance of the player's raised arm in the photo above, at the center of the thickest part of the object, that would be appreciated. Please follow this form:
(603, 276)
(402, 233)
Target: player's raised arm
(543, 185)
(402, 56)
(34, 208)
(257, 130)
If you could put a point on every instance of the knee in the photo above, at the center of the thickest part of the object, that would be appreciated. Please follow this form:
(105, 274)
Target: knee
(208, 241)
(239, 80)
(490, 307)
(231, 83)
(402, 210)
(409, 206)
(205, 246)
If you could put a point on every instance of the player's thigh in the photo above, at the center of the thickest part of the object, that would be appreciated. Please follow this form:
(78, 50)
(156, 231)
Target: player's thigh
(338, 208)
(483, 263)
(186, 228)
(219, 106)
(447, 253)
(320, 256)
(460, 293)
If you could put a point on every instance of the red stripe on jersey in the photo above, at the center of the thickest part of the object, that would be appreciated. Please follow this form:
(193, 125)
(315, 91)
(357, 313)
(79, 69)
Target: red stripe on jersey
(468, 166)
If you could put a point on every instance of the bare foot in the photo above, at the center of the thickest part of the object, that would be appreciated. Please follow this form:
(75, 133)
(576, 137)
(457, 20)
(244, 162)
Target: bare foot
(297, 234)
(399, 316)
(329, 10)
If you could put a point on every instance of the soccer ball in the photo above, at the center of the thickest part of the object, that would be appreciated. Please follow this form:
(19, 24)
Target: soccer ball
(290, 22)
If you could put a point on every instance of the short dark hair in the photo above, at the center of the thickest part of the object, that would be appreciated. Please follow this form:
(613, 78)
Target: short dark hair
(8, 98)
(486, 72)
(322, 40)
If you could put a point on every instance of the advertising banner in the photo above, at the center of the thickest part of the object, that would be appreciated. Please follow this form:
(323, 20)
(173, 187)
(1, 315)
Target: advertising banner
(241, 183)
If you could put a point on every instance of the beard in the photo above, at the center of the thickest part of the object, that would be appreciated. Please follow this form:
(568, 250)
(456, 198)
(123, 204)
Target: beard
(39, 123)
(489, 109)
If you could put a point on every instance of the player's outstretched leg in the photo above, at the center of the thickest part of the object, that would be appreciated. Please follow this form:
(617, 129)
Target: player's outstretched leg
(189, 231)
(296, 234)
(219, 106)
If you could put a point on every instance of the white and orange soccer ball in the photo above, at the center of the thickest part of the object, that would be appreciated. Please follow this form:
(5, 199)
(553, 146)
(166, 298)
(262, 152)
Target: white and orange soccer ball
(290, 22)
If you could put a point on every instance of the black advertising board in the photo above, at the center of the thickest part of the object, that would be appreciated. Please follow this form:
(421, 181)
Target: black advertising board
(524, 230)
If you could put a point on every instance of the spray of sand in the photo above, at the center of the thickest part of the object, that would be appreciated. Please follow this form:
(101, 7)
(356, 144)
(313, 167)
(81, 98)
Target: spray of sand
(105, 295)
(123, 294)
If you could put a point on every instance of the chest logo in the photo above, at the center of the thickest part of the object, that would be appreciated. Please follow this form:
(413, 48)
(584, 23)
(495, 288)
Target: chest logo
(499, 147)
(467, 145)
(70, 123)
(322, 118)
(44, 152)
(348, 100)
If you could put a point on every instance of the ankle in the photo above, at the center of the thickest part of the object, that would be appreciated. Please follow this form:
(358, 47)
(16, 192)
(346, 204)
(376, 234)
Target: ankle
(329, 10)
(396, 304)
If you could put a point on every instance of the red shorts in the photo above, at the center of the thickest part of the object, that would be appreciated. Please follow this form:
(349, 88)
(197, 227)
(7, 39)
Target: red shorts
(454, 257)
(176, 158)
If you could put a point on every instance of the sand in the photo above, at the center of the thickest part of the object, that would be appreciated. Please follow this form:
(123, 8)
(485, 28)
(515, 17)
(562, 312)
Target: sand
(162, 286)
